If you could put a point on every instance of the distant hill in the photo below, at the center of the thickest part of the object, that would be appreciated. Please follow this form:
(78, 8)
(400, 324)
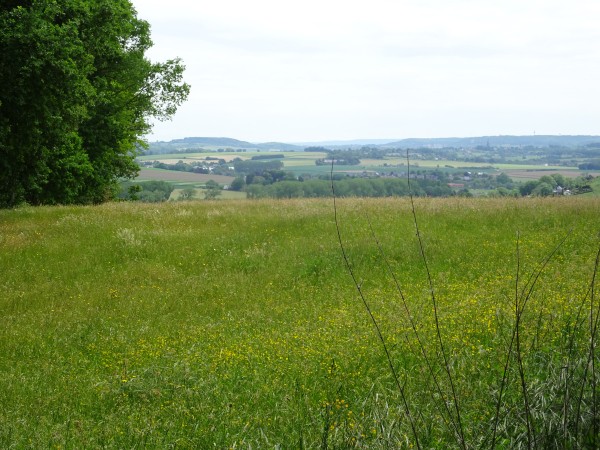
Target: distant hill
(280, 146)
(464, 142)
(350, 143)
(192, 143)
(212, 141)
(497, 141)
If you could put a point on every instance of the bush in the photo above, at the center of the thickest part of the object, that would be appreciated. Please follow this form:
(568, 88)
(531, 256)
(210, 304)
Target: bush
(146, 191)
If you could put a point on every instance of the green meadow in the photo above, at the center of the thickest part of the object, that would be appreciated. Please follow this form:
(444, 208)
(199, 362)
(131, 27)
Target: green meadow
(237, 324)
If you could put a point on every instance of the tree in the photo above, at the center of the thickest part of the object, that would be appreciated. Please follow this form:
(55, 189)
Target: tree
(559, 180)
(255, 191)
(543, 189)
(237, 184)
(503, 179)
(77, 97)
(187, 194)
(528, 187)
(591, 165)
(213, 190)
(146, 191)
(256, 167)
(287, 189)
(548, 179)
(212, 193)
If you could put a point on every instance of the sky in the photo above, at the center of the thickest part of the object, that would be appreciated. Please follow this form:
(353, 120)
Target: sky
(319, 70)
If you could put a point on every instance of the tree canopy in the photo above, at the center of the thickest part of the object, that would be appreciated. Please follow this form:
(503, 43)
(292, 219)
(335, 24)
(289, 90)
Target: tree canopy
(77, 96)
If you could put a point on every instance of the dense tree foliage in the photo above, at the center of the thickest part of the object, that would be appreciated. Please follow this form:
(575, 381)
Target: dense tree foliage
(146, 191)
(77, 97)
(256, 167)
(348, 187)
(591, 165)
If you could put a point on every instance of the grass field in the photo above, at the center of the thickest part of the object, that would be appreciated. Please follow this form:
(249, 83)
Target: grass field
(237, 325)
(181, 177)
(535, 174)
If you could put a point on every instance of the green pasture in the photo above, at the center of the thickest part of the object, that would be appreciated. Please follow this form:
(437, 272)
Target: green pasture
(425, 163)
(532, 167)
(179, 177)
(535, 174)
(237, 324)
(455, 165)
(313, 169)
(295, 159)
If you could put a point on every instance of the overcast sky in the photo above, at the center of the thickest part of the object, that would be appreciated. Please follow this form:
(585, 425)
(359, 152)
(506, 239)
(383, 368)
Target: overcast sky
(313, 70)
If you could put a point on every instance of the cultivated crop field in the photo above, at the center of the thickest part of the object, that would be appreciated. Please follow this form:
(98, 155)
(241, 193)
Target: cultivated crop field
(302, 163)
(237, 324)
(181, 177)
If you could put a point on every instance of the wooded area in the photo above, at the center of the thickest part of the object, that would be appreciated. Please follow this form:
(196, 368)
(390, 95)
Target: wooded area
(77, 96)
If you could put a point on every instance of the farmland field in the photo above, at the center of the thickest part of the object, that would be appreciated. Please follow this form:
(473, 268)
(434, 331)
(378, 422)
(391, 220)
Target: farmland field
(533, 174)
(180, 177)
(301, 163)
(237, 324)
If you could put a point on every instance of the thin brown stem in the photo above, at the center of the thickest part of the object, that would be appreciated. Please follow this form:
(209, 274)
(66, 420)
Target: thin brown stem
(372, 317)
(461, 435)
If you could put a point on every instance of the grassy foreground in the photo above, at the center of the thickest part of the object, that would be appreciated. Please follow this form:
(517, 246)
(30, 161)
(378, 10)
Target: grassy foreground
(236, 325)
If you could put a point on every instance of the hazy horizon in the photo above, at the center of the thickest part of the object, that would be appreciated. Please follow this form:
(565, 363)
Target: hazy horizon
(378, 141)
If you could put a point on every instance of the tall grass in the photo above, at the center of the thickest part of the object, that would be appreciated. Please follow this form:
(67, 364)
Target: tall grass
(560, 429)
(233, 324)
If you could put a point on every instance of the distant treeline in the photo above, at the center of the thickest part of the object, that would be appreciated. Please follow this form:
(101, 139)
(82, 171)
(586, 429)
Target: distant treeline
(268, 156)
(350, 187)
(256, 166)
(351, 157)
(592, 165)
(280, 184)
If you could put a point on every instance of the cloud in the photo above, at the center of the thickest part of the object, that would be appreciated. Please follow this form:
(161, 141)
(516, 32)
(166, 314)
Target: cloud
(350, 69)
